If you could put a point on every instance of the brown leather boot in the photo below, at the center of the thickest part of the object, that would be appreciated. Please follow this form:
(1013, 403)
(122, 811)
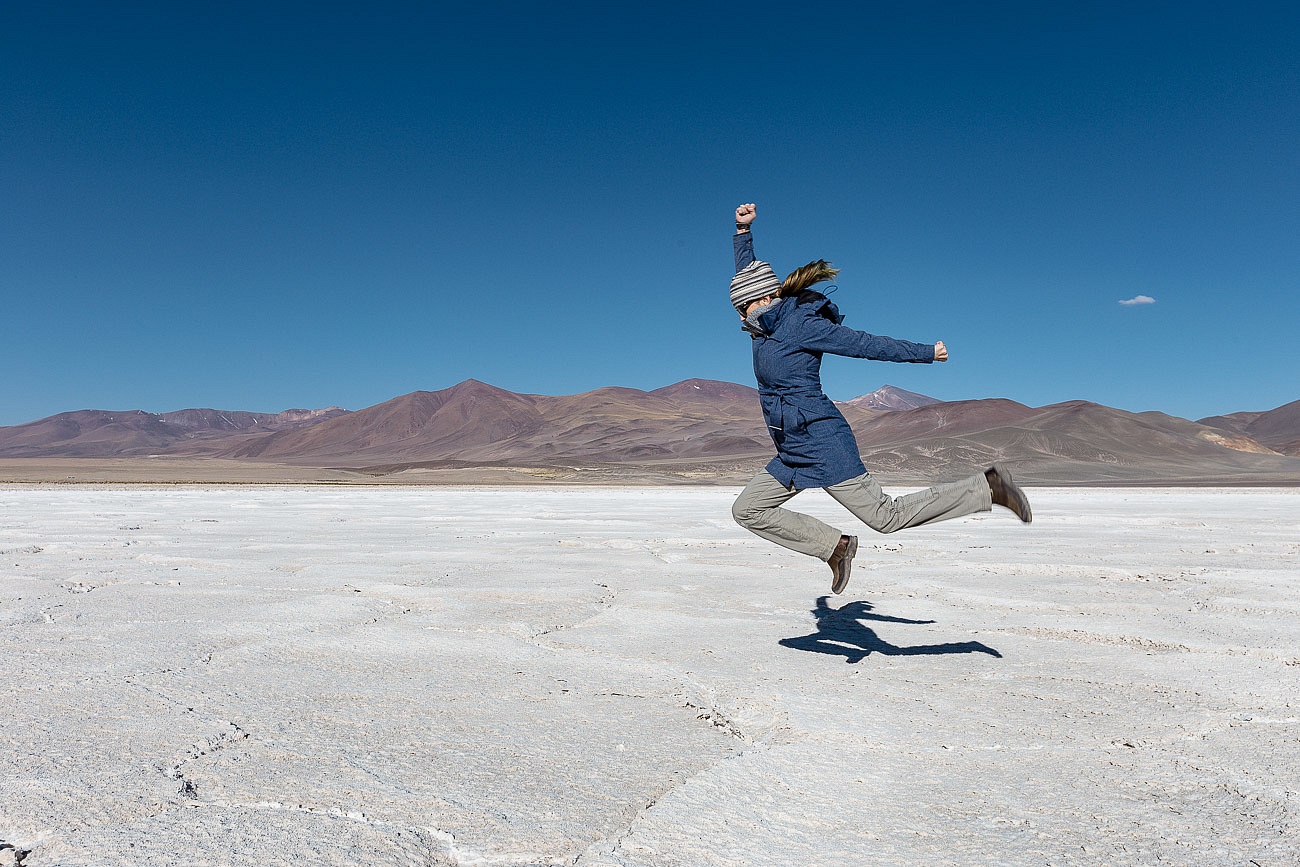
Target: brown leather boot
(841, 563)
(1007, 493)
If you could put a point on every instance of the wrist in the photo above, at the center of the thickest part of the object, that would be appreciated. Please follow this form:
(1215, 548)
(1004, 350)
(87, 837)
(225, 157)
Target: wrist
(742, 227)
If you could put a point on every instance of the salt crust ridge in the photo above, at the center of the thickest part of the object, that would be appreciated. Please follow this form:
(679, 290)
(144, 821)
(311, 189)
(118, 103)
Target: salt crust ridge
(1200, 752)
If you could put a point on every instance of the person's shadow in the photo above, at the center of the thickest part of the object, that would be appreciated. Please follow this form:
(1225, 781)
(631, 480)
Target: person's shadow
(841, 633)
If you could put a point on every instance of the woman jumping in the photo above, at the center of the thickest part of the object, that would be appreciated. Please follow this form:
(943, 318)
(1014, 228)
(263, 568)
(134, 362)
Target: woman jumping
(791, 327)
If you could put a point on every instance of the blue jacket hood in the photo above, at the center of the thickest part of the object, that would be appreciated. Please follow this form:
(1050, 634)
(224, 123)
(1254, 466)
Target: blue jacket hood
(816, 301)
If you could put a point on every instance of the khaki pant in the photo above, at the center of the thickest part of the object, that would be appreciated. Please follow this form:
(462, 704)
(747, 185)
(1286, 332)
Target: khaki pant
(758, 509)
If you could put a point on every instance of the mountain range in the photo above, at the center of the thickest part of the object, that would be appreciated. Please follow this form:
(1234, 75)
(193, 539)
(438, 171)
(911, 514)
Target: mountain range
(697, 430)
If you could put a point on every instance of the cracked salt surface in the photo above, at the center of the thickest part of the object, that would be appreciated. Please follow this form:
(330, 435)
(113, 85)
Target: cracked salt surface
(434, 676)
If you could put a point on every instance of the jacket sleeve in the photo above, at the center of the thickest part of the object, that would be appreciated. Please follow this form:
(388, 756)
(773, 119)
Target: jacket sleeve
(819, 334)
(744, 244)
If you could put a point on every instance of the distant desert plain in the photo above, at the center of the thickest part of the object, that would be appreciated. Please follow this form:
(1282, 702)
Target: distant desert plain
(456, 628)
(692, 432)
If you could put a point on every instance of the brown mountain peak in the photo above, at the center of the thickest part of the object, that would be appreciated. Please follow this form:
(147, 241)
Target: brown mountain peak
(892, 399)
(706, 389)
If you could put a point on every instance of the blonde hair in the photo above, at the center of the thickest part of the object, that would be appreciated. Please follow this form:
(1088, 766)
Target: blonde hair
(801, 278)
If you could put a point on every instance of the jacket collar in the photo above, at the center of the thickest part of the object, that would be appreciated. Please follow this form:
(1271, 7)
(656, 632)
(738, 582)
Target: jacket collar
(767, 319)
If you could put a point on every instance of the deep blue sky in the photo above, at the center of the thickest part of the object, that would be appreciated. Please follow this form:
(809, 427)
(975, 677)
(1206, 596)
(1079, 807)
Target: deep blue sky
(257, 210)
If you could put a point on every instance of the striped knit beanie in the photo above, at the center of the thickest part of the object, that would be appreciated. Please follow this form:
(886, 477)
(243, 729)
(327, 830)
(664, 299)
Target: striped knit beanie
(756, 280)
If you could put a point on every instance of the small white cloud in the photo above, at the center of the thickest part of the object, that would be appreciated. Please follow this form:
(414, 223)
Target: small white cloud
(1138, 299)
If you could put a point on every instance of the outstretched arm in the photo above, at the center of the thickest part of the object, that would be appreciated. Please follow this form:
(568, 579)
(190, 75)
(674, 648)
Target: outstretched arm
(743, 241)
(822, 335)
